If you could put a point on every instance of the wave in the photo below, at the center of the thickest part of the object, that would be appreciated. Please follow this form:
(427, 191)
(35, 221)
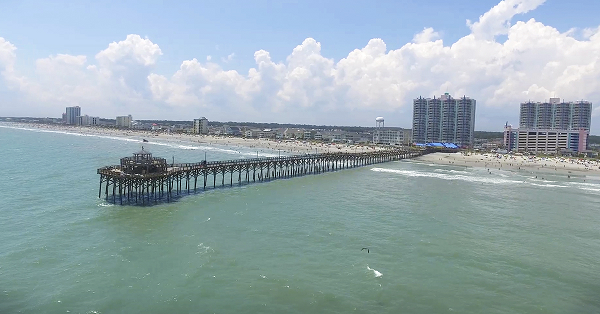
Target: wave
(444, 176)
(584, 184)
(589, 189)
(213, 149)
(140, 140)
(452, 171)
(375, 272)
(550, 185)
(542, 180)
(74, 134)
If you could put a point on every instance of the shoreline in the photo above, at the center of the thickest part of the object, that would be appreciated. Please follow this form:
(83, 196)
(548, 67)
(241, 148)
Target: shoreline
(285, 146)
(544, 165)
(563, 166)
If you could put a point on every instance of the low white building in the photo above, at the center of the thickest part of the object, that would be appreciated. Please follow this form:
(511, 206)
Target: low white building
(545, 141)
(267, 133)
(201, 126)
(252, 133)
(86, 120)
(293, 133)
(391, 136)
(82, 120)
(309, 134)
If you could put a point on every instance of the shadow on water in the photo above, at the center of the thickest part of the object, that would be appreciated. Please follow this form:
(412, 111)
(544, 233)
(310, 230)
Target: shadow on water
(12, 301)
(148, 200)
(590, 301)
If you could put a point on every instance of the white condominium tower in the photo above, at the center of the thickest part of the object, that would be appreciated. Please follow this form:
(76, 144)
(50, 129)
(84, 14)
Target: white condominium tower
(444, 119)
(201, 126)
(556, 115)
(71, 114)
(124, 121)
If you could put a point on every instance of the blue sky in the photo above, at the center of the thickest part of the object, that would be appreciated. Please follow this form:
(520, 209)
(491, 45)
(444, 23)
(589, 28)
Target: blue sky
(185, 30)
(195, 29)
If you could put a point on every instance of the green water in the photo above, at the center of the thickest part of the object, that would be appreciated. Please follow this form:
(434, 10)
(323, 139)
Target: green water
(442, 239)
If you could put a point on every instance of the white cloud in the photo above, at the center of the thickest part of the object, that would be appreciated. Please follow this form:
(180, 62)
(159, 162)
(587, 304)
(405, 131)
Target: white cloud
(497, 20)
(7, 62)
(535, 62)
(132, 50)
(117, 80)
(229, 58)
(427, 35)
(7, 53)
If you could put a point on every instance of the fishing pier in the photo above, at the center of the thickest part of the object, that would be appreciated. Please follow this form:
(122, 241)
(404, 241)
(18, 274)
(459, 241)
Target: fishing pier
(145, 180)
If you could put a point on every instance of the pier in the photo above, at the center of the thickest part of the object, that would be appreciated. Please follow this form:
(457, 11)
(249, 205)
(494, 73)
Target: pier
(146, 180)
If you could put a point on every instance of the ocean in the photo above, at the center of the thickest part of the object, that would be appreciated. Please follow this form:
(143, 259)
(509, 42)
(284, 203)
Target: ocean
(441, 238)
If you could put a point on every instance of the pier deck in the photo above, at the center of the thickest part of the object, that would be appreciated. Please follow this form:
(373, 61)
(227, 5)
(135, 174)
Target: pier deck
(144, 180)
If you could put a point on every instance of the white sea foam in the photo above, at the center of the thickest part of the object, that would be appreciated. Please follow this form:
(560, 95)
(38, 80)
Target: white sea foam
(184, 146)
(584, 184)
(74, 134)
(590, 189)
(550, 185)
(188, 146)
(452, 171)
(444, 176)
(203, 249)
(543, 181)
(375, 272)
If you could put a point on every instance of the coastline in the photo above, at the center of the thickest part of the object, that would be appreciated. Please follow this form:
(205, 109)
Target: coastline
(551, 165)
(285, 146)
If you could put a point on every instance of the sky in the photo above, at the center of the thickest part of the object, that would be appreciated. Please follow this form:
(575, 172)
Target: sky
(307, 62)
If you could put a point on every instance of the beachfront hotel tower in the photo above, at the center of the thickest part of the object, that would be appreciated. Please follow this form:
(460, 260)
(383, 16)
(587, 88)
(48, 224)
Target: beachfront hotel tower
(444, 119)
(551, 127)
(124, 121)
(556, 115)
(71, 115)
(201, 126)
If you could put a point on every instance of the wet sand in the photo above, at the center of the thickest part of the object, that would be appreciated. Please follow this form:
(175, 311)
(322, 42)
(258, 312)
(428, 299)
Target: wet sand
(286, 146)
(552, 165)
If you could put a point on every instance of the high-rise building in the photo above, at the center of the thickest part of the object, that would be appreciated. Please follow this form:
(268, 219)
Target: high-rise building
(556, 115)
(550, 127)
(201, 126)
(124, 121)
(444, 119)
(71, 114)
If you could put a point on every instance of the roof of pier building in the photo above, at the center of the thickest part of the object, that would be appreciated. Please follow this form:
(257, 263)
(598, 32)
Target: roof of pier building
(142, 161)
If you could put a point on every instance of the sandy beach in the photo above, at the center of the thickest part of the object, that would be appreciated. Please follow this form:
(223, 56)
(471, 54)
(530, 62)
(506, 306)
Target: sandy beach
(285, 146)
(552, 165)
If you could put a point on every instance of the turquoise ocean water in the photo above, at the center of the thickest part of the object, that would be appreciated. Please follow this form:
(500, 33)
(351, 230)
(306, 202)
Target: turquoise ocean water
(442, 239)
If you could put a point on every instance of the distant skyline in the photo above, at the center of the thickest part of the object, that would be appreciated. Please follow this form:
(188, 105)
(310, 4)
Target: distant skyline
(302, 62)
